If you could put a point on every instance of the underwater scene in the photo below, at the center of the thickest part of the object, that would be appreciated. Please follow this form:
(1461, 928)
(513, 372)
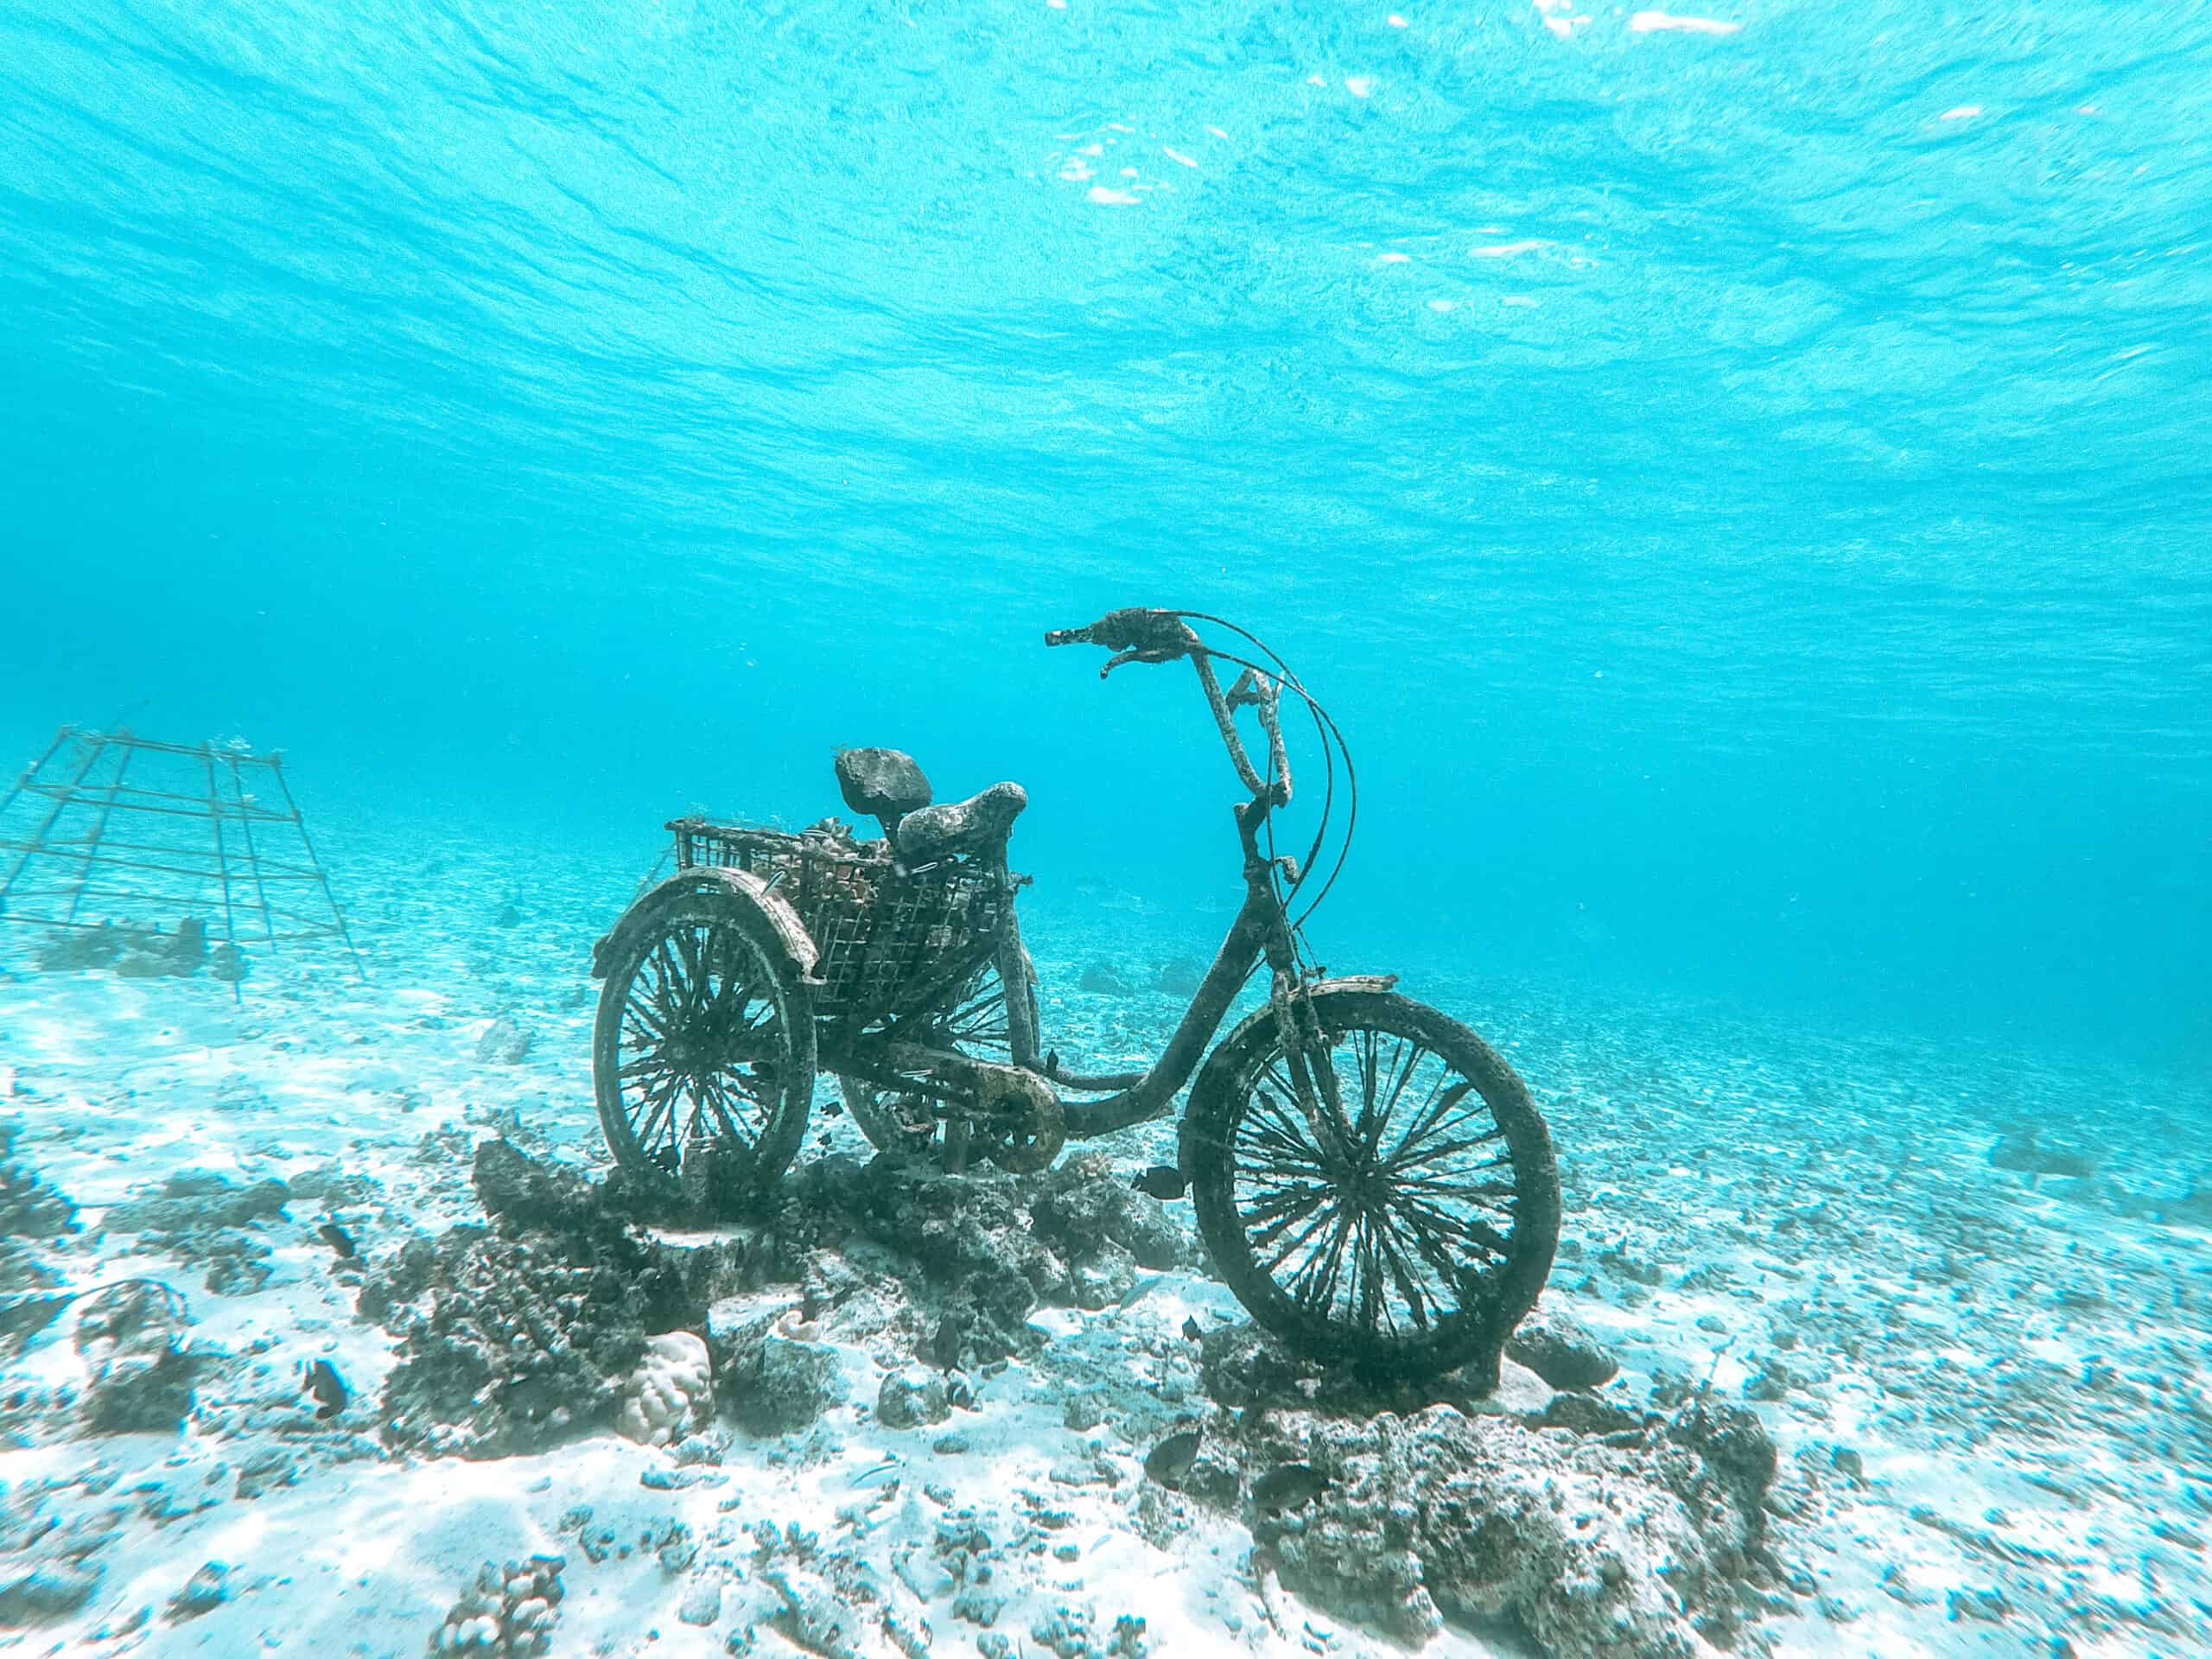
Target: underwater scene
(1095, 830)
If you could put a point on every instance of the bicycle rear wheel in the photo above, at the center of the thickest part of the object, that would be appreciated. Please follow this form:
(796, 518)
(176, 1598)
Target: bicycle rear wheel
(704, 1048)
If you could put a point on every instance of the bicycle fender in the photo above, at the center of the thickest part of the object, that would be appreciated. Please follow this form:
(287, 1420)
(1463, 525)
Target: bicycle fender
(788, 933)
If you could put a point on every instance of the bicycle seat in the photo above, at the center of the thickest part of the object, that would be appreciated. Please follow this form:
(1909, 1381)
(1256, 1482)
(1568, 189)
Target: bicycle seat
(884, 783)
(979, 823)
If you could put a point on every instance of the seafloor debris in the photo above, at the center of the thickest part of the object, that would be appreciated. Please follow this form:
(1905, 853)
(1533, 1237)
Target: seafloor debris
(133, 952)
(1552, 1342)
(30, 1210)
(905, 1401)
(1103, 979)
(49, 1564)
(670, 1394)
(504, 1043)
(1644, 1551)
(506, 1613)
(512, 1338)
(205, 1590)
(132, 1339)
(203, 1217)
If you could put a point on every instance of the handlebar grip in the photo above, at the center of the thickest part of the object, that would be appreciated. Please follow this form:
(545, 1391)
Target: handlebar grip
(1139, 634)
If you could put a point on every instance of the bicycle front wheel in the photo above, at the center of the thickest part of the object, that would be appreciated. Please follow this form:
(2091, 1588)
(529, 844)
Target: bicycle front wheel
(1409, 1241)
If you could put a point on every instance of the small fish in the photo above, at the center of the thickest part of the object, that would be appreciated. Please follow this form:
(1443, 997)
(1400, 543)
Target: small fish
(1287, 1485)
(1160, 1181)
(322, 1383)
(1168, 1462)
(1192, 1331)
(339, 1240)
(1142, 1288)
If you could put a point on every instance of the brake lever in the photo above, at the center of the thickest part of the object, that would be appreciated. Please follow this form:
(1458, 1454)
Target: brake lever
(1142, 654)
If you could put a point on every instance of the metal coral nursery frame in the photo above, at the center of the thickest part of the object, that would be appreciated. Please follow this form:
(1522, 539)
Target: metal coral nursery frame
(122, 828)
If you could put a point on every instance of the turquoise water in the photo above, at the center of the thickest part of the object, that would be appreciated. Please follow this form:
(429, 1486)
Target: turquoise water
(1743, 494)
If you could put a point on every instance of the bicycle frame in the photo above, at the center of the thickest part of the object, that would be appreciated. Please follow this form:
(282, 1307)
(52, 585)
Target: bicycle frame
(1260, 931)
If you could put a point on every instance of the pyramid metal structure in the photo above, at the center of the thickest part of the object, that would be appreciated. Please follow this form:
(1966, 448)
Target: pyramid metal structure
(111, 830)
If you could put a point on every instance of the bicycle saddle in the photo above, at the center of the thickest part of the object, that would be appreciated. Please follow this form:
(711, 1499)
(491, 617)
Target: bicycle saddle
(884, 783)
(979, 823)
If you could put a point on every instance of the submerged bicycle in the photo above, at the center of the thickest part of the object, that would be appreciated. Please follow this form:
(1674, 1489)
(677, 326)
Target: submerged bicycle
(1369, 1177)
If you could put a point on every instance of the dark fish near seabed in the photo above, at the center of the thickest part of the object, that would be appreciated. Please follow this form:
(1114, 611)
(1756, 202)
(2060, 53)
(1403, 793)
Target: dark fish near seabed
(339, 1240)
(1287, 1485)
(1168, 1462)
(322, 1383)
(1192, 1331)
(1160, 1181)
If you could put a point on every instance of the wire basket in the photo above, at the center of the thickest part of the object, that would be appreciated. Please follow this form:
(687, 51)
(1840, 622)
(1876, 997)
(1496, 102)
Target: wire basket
(893, 942)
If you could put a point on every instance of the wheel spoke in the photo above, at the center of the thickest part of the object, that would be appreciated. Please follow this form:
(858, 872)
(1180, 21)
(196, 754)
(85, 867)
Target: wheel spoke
(1403, 1160)
(1365, 1054)
(1282, 1207)
(1274, 1125)
(1312, 1227)
(719, 1097)
(1402, 1274)
(1322, 1284)
(667, 979)
(659, 1108)
(654, 1026)
(1404, 1061)
(1427, 1218)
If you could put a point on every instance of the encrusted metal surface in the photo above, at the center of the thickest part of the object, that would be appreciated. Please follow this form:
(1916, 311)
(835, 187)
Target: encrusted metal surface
(891, 941)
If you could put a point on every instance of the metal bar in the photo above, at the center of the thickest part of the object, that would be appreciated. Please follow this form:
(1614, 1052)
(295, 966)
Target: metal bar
(200, 809)
(23, 781)
(167, 849)
(192, 751)
(99, 828)
(260, 893)
(104, 855)
(141, 864)
(58, 895)
(306, 935)
(223, 861)
(54, 791)
(301, 824)
(59, 806)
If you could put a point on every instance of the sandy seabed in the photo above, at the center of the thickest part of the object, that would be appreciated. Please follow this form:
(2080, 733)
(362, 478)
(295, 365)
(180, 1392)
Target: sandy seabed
(1982, 1357)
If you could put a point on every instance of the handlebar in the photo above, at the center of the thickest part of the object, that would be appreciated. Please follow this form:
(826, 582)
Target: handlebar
(1134, 635)
(1137, 634)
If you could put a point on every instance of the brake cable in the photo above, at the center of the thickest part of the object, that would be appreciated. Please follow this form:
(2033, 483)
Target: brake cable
(1283, 675)
(1327, 726)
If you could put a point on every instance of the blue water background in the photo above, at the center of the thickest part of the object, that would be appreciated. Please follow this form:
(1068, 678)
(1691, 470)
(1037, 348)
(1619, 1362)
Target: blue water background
(1747, 498)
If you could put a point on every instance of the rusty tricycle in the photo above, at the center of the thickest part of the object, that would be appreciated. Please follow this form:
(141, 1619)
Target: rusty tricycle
(1371, 1178)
